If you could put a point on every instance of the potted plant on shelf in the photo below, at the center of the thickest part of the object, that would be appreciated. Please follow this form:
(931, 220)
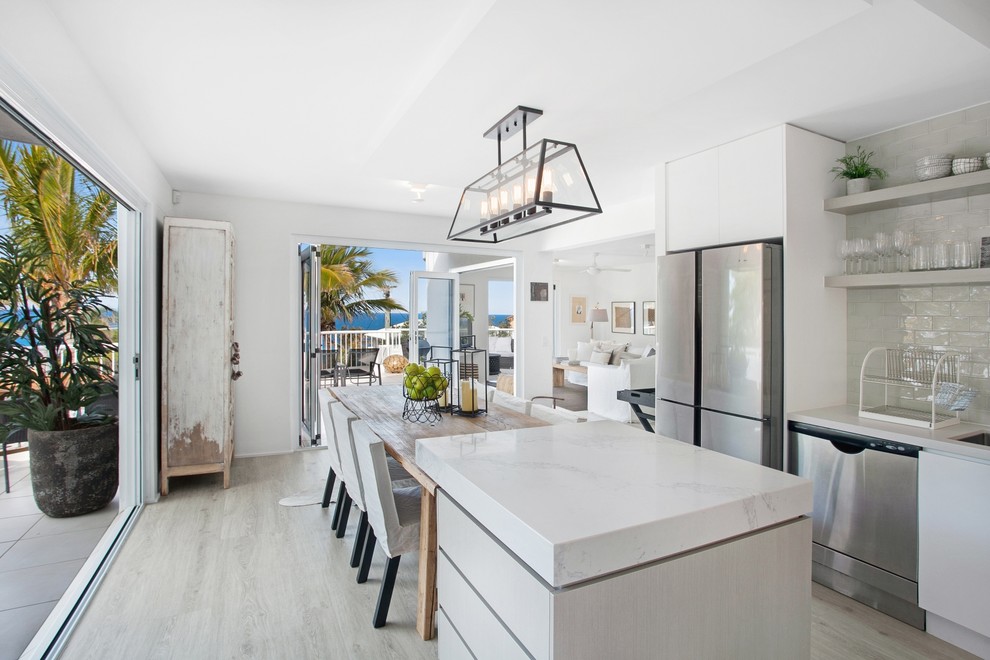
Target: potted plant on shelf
(857, 171)
(57, 382)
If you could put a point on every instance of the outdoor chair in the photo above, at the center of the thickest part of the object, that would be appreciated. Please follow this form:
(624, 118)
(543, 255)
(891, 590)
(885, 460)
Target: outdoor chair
(365, 365)
(330, 368)
(393, 514)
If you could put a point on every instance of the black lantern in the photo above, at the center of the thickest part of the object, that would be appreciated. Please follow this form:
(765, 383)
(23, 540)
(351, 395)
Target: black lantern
(542, 186)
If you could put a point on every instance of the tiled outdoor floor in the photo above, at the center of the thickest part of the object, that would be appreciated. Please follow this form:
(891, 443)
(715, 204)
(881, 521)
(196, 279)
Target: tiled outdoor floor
(39, 557)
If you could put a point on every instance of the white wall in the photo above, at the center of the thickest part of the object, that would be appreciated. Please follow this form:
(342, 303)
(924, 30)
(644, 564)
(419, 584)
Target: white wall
(42, 75)
(266, 304)
(637, 286)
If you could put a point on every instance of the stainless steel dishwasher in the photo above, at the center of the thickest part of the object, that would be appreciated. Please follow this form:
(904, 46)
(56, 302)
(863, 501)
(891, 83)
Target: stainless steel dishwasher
(865, 519)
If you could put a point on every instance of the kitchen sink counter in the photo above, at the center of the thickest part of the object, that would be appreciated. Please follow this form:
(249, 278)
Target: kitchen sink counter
(846, 418)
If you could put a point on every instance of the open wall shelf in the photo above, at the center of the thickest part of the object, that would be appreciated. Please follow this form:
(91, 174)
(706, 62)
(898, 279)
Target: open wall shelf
(913, 278)
(933, 190)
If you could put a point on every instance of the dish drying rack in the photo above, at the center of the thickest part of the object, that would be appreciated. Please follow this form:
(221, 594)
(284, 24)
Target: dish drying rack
(935, 371)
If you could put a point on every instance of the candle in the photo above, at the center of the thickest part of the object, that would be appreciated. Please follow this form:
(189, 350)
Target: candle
(517, 195)
(546, 194)
(503, 200)
(493, 203)
(484, 210)
(530, 188)
(469, 401)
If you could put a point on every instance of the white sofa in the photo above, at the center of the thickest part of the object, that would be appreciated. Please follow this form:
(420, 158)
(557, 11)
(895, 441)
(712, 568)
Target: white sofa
(604, 381)
(595, 352)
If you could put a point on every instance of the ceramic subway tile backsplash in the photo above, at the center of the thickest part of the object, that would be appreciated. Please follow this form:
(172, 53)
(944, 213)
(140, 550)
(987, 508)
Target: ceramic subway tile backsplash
(956, 317)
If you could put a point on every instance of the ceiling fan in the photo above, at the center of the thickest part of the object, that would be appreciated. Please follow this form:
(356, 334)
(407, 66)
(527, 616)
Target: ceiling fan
(594, 268)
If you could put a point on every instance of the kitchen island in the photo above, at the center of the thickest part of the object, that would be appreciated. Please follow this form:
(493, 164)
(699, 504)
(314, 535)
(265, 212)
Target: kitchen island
(602, 540)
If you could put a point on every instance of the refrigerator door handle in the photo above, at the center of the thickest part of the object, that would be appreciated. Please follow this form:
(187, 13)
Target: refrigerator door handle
(765, 420)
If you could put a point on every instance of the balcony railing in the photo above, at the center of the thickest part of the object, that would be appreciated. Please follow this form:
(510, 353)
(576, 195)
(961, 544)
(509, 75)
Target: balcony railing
(391, 341)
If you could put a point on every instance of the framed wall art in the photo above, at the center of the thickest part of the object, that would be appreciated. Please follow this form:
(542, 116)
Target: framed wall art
(579, 310)
(649, 317)
(539, 291)
(624, 318)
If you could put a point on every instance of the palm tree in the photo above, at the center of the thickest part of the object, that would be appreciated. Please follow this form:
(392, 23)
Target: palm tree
(347, 273)
(55, 212)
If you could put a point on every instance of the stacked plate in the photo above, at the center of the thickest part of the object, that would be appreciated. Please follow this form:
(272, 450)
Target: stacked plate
(966, 165)
(933, 167)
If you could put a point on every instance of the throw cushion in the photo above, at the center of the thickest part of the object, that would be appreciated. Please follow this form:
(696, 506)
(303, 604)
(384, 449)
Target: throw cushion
(583, 351)
(616, 353)
(600, 357)
(627, 355)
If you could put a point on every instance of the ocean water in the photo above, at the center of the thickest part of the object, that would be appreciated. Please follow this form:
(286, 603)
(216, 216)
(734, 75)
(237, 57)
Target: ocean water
(377, 321)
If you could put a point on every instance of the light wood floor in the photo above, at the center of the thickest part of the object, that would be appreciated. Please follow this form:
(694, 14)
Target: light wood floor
(209, 573)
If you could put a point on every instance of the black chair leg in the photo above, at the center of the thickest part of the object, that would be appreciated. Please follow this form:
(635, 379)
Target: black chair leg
(328, 490)
(359, 540)
(385, 595)
(342, 525)
(341, 494)
(369, 553)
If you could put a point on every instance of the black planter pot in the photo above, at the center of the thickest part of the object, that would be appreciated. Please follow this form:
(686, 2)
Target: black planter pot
(74, 472)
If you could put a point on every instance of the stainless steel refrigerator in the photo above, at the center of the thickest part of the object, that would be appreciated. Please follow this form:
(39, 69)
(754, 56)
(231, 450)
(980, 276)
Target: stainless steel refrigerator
(720, 358)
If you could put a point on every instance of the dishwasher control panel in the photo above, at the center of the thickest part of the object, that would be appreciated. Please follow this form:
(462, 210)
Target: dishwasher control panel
(853, 442)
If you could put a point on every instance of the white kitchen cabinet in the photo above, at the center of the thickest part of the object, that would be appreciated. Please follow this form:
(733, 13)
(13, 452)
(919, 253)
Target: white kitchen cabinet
(692, 201)
(954, 539)
(199, 356)
(688, 606)
(751, 187)
(729, 194)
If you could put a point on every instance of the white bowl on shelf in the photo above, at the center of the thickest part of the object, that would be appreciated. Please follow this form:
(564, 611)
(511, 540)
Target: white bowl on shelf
(933, 171)
(934, 159)
(966, 165)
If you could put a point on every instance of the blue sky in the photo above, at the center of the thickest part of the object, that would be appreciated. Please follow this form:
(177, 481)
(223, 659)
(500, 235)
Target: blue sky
(402, 262)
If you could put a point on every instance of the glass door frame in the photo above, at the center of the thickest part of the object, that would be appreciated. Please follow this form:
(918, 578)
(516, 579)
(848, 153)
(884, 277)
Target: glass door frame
(309, 373)
(414, 308)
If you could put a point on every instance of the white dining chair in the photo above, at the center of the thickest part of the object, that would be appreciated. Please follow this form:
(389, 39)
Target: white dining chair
(327, 403)
(353, 493)
(393, 514)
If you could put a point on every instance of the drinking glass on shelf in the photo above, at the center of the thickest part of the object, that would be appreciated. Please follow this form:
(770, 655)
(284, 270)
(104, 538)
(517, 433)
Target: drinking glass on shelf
(867, 255)
(940, 254)
(883, 244)
(961, 254)
(846, 254)
(902, 248)
(921, 256)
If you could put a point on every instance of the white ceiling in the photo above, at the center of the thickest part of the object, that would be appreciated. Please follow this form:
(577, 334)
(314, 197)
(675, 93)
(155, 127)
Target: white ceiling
(347, 103)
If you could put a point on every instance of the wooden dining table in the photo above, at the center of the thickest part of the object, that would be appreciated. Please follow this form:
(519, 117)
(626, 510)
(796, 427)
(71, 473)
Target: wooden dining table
(381, 406)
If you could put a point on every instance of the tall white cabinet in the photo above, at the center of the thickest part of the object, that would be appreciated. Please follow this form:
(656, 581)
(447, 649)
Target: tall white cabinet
(770, 185)
(199, 356)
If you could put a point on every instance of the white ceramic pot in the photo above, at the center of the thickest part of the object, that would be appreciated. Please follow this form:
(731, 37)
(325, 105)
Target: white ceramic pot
(854, 186)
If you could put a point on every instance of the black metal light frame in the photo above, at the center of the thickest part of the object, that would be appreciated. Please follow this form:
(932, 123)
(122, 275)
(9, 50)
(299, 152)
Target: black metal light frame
(511, 221)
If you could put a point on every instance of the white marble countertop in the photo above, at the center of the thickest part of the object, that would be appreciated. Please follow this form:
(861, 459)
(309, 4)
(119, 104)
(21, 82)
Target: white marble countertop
(575, 501)
(846, 418)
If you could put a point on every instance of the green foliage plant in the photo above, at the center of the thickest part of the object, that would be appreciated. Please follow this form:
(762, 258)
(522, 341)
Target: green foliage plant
(857, 166)
(55, 349)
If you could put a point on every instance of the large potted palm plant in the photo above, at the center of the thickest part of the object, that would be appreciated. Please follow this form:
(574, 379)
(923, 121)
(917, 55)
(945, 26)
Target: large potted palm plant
(55, 372)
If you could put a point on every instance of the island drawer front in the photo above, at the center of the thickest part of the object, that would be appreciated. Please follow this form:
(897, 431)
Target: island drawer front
(516, 596)
(484, 635)
(450, 646)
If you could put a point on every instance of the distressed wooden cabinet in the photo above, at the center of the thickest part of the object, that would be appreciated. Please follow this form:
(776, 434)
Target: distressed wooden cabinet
(199, 356)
